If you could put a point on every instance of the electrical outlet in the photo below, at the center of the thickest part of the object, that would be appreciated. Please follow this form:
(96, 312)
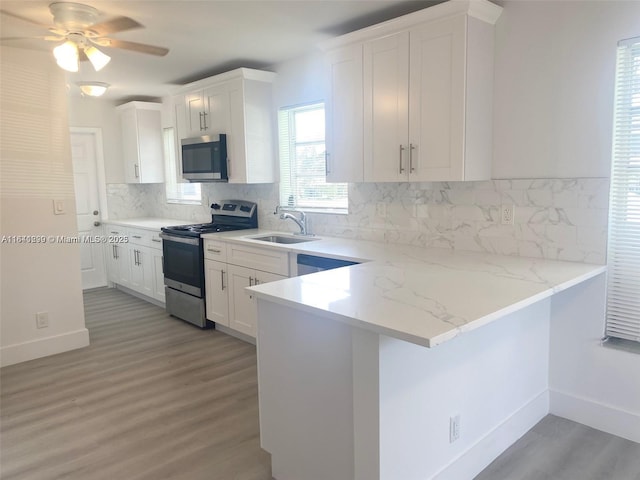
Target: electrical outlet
(454, 428)
(381, 209)
(507, 214)
(42, 319)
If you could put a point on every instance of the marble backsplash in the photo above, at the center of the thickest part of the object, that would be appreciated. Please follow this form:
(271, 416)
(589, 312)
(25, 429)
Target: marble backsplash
(562, 219)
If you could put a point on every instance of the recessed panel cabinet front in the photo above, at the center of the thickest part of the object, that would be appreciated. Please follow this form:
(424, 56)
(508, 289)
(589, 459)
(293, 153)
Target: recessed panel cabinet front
(242, 304)
(427, 95)
(216, 287)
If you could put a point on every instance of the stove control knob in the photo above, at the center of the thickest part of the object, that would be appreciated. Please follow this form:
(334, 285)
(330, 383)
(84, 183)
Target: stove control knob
(215, 206)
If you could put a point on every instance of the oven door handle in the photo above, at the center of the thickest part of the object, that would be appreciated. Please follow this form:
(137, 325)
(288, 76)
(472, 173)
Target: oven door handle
(174, 238)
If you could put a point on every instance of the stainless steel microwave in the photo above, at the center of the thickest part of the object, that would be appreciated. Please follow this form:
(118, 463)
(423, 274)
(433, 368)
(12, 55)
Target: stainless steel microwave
(204, 159)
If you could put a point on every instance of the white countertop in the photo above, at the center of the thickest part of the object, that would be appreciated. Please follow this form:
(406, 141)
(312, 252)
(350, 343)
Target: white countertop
(422, 295)
(149, 223)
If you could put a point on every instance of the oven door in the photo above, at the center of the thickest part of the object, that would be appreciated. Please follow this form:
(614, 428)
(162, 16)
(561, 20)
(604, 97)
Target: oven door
(183, 263)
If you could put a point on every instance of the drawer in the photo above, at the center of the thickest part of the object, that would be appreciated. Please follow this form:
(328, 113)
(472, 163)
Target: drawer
(215, 250)
(140, 237)
(116, 233)
(156, 241)
(264, 259)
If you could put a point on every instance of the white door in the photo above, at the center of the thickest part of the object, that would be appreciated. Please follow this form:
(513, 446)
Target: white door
(84, 156)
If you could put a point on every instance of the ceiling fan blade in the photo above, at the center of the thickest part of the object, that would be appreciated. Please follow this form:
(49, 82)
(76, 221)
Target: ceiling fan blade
(118, 24)
(133, 46)
(24, 19)
(47, 38)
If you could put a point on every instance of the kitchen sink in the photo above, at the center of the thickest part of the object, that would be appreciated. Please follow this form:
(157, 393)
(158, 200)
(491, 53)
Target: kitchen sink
(283, 239)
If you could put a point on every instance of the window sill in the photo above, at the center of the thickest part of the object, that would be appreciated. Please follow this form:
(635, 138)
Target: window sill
(621, 344)
(185, 202)
(323, 211)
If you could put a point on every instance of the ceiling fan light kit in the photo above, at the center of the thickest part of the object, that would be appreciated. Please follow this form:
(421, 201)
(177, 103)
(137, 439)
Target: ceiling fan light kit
(80, 29)
(67, 56)
(93, 89)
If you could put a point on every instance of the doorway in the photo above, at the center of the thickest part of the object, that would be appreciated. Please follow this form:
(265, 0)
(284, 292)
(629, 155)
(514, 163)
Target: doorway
(91, 201)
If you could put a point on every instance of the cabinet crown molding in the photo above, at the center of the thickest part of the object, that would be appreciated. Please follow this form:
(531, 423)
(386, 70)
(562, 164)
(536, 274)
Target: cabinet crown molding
(481, 9)
(242, 73)
(140, 106)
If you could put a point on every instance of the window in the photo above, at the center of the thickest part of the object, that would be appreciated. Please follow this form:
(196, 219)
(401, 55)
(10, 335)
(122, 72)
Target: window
(186, 193)
(623, 281)
(302, 162)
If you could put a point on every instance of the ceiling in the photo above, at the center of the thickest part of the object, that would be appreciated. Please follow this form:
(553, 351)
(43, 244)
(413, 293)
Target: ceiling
(204, 37)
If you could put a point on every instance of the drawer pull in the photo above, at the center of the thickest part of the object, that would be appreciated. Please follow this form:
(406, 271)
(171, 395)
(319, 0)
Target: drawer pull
(213, 250)
(156, 240)
(136, 236)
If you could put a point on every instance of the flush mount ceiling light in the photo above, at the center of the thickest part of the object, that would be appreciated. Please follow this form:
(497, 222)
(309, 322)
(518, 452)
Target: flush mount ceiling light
(93, 89)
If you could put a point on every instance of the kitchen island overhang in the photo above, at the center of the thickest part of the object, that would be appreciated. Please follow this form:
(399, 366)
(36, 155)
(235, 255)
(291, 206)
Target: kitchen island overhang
(349, 391)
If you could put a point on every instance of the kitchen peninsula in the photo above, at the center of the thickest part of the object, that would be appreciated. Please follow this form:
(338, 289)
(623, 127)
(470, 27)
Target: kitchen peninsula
(422, 363)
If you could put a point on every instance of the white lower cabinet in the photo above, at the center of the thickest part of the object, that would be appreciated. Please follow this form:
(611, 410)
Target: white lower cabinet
(228, 302)
(136, 264)
(117, 256)
(242, 305)
(142, 274)
(216, 288)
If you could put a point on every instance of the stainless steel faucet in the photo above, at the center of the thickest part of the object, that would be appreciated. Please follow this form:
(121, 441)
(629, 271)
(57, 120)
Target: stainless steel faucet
(301, 222)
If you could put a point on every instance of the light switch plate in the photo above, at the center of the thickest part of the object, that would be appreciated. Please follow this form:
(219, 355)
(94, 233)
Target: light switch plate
(58, 207)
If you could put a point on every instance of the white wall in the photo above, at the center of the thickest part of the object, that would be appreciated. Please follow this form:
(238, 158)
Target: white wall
(98, 113)
(554, 81)
(35, 170)
(589, 383)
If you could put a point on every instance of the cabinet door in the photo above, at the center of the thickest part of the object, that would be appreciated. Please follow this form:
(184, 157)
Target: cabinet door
(195, 109)
(386, 111)
(130, 153)
(158, 275)
(122, 252)
(215, 274)
(242, 305)
(343, 115)
(266, 277)
(112, 263)
(217, 115)
(436, 112)
(142, 270)
(150, 146)
(236, 140)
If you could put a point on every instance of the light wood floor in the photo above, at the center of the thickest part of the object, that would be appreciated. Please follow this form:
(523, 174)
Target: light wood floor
(559, 449)
(151, 398)
(155, 398)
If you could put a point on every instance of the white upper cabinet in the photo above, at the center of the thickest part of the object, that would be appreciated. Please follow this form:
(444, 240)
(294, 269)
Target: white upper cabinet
(207, 111)
(238, 104)
(343, 115)
(427, 94)
(142, 148)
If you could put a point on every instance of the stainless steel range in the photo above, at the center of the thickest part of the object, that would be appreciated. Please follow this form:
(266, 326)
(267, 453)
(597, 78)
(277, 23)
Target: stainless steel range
(184, 258)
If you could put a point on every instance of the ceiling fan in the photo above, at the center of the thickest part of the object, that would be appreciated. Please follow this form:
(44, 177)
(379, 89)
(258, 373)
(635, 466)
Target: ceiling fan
(77, 27)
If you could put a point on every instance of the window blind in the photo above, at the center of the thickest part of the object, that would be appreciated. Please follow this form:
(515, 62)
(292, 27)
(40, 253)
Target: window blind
(302, 161)
(623, 258)
(184, 193)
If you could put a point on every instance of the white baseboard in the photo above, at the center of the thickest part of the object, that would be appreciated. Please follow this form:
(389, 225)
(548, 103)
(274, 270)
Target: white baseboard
(596, 415)
(477, 457)
(43, 347)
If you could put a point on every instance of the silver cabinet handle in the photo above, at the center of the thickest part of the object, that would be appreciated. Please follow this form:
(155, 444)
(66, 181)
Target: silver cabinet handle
(327, 170)
(135, 170)
(412, 147)
(256, 281)
(200, 114)
(114, 252)
(204, 115)
(162, 264)
(136, 236)
(213, 250)
(251, 281)
(114, 233)
(400, 168)
(221, 279)
(157, 240)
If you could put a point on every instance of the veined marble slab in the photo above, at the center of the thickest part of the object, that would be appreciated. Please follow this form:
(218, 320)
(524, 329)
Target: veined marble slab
(421, 295)
(148, 223)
